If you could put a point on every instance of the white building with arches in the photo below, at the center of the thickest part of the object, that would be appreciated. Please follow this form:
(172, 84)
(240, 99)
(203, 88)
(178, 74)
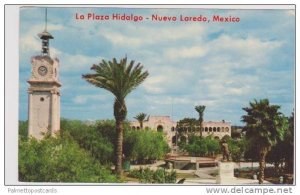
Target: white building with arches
(158, 123)
(165, 124)
(217, 129)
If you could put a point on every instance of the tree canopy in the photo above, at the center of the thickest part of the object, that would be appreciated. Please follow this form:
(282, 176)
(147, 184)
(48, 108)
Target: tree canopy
(265, 127)
(59, 159)
(120, 79)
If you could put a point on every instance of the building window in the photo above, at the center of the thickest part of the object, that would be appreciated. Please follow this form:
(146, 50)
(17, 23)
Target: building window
(206, 129)
(42, 99)
(218, 129)
(174, 140)
(214, 129)
(222, 129)
(210, 129)
(160, 128)
(227, 129)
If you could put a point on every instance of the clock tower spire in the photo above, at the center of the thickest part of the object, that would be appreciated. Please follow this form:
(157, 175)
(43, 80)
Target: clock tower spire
(44, 91)
(45, 36)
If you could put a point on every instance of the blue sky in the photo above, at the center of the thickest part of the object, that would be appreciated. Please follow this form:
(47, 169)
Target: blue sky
(220, 65)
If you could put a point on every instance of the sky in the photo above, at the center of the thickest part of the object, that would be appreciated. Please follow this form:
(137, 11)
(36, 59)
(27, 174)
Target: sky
(222, 65)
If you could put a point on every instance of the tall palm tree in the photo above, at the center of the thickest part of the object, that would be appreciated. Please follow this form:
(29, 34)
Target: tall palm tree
(200, 110)
(141, 118)
(120, 79)
(265, 126)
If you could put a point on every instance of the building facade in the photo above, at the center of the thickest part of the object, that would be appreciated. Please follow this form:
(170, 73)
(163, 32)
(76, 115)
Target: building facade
(158, 123)
(217, 129)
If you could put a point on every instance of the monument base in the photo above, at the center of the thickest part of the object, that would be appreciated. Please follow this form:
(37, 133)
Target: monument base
(226, 173)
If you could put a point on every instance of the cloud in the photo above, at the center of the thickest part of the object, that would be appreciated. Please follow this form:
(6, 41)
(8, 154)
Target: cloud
(165, 79)
(153, 84)
(168, 100)
(29, 44)
(83, 99)
(77, 62)
(185, 52)
(120, 39)
(249, 46)
(175, 32)
(131, 36)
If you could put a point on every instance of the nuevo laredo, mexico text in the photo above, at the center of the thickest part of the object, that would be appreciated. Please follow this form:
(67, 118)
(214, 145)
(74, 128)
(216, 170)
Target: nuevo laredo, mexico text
(199, 18)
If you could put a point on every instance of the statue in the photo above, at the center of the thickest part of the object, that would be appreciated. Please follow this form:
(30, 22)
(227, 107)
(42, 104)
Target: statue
(225, 151)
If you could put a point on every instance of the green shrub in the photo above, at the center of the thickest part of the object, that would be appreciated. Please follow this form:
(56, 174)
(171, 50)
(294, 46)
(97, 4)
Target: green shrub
(237, 148)
(23, 129)
(144, 145)
(59, 159)
(213, 145)
(201, 146)
(146, 175)
(90, 138)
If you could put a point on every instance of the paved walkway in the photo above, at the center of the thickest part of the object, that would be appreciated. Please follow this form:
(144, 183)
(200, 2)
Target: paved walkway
(238, 181)
(205, 174)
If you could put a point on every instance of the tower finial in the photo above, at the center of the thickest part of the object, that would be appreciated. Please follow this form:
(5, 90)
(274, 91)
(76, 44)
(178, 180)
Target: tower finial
(45, 36)
(46, 19)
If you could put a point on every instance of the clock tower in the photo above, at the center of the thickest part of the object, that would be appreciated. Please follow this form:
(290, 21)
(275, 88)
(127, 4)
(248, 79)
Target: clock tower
(44, 92)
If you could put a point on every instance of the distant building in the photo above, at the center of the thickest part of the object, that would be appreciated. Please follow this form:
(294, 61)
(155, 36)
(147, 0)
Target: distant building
(159, 123)
(216, 129)
(165, 124)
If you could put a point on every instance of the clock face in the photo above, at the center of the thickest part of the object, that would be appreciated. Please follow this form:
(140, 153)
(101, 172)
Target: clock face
(42, 70)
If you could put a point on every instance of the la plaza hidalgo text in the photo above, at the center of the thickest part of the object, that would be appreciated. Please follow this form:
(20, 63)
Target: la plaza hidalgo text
(155, 17)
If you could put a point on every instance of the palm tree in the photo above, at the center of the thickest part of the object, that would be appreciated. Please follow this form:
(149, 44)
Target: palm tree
(265, 126)
(200, 110)
(120, 79)
(141, 118)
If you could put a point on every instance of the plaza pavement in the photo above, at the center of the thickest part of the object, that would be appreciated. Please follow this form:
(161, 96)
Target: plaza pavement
(204, 174)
